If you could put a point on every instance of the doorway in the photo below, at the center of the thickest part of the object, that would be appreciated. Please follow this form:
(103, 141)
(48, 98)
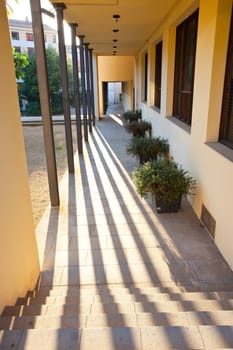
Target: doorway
(112, 94)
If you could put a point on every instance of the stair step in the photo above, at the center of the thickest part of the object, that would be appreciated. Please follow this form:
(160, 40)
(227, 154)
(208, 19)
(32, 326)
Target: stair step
(84, 290)
(129, 307)
(77, 290)
(124, 338)
(118, 320)
(121, 298)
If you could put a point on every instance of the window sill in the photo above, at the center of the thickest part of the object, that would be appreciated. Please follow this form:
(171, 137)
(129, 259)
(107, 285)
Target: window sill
(182, 125)
(222, 149)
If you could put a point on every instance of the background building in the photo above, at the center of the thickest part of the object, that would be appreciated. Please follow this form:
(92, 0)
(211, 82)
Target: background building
(22, 36)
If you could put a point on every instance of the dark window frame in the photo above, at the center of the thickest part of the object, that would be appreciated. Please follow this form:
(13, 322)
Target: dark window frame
(145, 76)
(158, 73)
(29, 36)
(16, 34)
(226, 123)
(186, 38)
(30, 51)
(17, 49)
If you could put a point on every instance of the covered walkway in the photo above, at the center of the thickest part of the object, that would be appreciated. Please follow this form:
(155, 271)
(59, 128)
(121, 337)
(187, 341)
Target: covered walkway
(103, 228)
(117, 275)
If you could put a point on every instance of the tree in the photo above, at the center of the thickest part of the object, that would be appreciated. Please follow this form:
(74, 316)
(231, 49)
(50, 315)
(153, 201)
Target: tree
(20, 61)
(30, 87)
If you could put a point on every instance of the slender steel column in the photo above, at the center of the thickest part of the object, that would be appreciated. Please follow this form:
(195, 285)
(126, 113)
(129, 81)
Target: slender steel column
(59, 7)
(83, 84)
(87, 65)
(42, 75)
(73, 27)
(92, 87)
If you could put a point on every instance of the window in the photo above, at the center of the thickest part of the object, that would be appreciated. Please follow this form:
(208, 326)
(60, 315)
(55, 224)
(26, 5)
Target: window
(158, 71)
(17, 49)
(54, 39)
(186, 37)
(15, 35)
(31, 51)
(226, 126)
(145, 76)
(29, 36)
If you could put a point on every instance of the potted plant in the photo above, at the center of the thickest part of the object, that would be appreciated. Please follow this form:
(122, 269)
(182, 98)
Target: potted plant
(166, 181)
(139, 128)
(148, 148)
(130, 116)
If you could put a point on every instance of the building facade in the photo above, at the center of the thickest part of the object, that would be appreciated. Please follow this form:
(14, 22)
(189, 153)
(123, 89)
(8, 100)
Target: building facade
(22, 36)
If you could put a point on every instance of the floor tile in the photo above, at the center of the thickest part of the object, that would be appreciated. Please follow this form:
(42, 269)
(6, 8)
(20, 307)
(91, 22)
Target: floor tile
(172, 337)
(111, 339)
(217, 336)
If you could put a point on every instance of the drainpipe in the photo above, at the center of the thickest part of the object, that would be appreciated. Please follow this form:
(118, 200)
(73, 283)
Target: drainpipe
(42, 75)
(87, 65)
(92, 87)
(83, 84)
(73, 27)
(59, 7)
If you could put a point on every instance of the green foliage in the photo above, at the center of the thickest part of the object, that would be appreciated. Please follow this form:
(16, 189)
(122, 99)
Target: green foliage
(130, 116)
(163, 177)
(138, 128)
(33, 108)
(20, 61)
(30, 88)
(148, 149)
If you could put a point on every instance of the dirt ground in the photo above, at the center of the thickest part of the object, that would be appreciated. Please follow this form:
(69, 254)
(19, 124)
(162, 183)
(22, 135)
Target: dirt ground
(36, 162)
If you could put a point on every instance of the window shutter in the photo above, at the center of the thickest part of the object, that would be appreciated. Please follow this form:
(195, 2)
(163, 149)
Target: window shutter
(186, 35)
(226, 126)
(158, 72)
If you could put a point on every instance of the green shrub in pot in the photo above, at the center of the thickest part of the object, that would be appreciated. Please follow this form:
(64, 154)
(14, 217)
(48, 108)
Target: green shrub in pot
(148, 148)
(167, 181)
(131, 116)
(139, 128)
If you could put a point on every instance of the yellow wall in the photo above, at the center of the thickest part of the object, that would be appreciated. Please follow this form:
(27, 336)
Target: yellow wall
(127, 95)
(19, 265)
(114, 68)
(212, 170)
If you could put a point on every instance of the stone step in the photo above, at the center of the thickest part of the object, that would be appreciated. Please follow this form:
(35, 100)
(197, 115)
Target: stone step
(124, 338)
(119, 320)
(104, 290)
(77, 290)
(129, 307)
(121, 298)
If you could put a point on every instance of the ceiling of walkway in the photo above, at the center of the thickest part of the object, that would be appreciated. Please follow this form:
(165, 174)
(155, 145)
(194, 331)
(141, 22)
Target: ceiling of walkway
(138, 19)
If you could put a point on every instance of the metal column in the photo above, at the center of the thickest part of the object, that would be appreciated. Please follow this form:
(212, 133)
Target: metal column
(73, 27)
(87, 65)
(92, 87)
(83, 84)
(42, 75)
(59, 7)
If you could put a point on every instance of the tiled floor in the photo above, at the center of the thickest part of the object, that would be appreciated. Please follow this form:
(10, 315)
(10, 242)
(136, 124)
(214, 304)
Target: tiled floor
(105, 234)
